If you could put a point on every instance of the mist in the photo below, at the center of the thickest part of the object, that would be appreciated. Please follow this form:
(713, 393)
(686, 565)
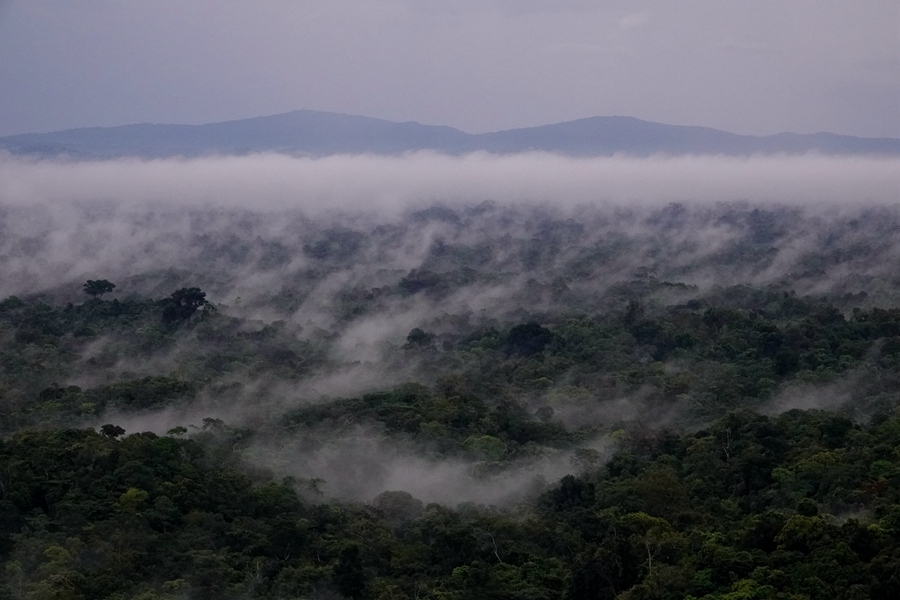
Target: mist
(339, 258)
(393, 183)
(70, 220)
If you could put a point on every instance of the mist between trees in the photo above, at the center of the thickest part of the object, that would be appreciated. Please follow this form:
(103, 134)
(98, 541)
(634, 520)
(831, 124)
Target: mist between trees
(537, 335)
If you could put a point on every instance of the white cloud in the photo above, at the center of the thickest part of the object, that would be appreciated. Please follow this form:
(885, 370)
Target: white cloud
(378, 183)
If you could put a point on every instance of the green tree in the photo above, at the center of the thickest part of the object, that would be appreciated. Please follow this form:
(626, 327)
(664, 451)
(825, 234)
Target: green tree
(349, 576)
(182, 304)
(95, 288)
(111, 431)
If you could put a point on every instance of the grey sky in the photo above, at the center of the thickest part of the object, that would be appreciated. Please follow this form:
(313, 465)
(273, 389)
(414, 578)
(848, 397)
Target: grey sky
(759, 66)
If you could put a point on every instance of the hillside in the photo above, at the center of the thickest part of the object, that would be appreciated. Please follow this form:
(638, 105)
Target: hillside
(321, 133)
(468, 402)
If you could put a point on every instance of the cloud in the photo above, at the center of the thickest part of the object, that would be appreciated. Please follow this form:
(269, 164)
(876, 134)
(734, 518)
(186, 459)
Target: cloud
(394, 183)
(237, 226)
(560, 233)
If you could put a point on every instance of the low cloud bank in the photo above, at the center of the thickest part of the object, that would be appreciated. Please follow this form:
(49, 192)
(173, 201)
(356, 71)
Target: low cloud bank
(334, 253)
(319, 233)
(379, 183)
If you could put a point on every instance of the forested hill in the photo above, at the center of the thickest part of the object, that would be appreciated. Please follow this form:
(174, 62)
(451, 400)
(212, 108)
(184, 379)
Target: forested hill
(321, 133)
(461, 402)
(802, 505)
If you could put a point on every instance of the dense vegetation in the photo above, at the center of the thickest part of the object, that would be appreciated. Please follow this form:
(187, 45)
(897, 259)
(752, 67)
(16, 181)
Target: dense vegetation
(377, 435)
(802, 506)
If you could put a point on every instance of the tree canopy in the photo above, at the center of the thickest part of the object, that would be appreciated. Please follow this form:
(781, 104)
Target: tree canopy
(97, 287)
(463, 403)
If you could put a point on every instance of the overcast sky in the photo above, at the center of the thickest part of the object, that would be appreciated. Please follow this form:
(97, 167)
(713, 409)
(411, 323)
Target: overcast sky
(748, 66)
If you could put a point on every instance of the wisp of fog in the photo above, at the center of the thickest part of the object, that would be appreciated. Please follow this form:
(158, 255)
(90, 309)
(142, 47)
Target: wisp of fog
(391, 183)
(347, 254)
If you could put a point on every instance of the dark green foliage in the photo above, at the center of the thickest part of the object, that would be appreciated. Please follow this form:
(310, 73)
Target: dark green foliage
(182, 305)
(111, 431)
(131, 395)
(96, 288)
(728, 503)
(450, 424)
(417, 337)
(349, 577)
(527, 339)
(109, 514)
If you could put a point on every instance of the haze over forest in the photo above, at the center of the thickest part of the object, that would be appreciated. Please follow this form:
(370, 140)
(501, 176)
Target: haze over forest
(479, 337)
(599, 301)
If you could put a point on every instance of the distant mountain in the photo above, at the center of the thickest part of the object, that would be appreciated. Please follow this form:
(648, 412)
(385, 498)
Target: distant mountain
(317, 133)
(597, 136)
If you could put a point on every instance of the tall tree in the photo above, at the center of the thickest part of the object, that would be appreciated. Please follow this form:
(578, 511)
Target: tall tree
(95, 288)
(183, 303)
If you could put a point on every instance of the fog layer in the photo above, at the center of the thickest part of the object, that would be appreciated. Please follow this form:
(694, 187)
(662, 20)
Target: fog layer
(327, 266)
(271, 181)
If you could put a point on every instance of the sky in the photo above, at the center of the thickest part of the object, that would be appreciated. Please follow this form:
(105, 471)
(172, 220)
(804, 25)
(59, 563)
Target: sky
(753, 67)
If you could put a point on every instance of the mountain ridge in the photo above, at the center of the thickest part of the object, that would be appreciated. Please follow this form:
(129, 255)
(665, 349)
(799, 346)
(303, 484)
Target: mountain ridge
(319, 133)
